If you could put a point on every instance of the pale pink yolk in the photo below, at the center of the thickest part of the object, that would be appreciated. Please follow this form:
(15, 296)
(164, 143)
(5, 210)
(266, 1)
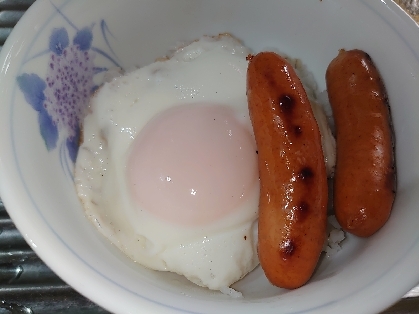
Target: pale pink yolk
(192, 165)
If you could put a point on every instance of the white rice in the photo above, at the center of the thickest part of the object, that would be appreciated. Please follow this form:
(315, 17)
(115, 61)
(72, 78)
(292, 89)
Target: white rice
(231, 292)
(323, 114)
(336, 236)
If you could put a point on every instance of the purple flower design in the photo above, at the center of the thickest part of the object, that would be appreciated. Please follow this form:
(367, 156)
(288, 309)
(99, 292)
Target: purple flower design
(62, 98)
(69, 83)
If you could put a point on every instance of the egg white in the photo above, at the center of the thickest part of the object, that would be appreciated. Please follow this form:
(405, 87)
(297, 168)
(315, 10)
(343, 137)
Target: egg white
(208, 71)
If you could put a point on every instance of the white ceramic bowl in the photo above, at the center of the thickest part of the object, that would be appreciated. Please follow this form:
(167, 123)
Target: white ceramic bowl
(36, 157)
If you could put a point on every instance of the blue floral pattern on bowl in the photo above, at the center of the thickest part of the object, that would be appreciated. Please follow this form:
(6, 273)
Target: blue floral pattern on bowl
(62, 97)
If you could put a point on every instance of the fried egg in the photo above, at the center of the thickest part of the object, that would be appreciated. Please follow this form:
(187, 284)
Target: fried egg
(167, 170)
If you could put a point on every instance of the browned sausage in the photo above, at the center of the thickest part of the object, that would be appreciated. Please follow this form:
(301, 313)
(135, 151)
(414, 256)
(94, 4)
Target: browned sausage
(365, 177)
(293, 183)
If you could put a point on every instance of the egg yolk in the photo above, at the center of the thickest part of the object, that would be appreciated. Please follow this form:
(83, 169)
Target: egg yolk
(192, 164)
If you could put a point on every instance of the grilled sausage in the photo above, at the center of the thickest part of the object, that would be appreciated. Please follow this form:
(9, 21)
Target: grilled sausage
(365, 177)
(293, 183)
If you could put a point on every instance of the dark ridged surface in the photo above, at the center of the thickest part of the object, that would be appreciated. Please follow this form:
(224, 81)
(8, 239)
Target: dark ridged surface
(27, 285)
